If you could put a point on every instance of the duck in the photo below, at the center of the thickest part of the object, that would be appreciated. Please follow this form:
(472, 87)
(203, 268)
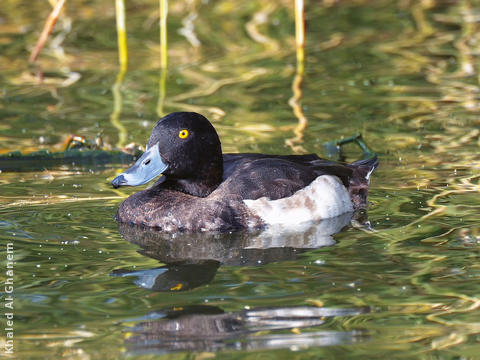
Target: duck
(201, 189)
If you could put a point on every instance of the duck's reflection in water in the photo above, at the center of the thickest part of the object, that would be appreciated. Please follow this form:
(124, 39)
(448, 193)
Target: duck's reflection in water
(241, 248)
(207, 328)
(192, 260)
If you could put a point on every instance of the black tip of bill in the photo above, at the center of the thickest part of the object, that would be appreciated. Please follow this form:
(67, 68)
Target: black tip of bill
(118, 181)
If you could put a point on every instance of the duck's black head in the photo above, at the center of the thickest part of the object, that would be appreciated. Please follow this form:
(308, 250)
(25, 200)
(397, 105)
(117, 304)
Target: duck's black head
(185, 148)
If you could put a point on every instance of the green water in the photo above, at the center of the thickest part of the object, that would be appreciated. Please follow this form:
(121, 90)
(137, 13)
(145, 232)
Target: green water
(404, 74)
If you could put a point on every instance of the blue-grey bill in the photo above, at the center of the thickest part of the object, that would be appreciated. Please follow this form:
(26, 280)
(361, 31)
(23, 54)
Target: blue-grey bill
(147, 167)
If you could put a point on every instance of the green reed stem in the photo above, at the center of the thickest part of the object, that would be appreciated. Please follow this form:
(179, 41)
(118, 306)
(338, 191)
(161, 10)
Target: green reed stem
(162, 87)
(163, 33)
(300, 35)
(295, 100)
(121, 34)
(123, 59)
(162, 90)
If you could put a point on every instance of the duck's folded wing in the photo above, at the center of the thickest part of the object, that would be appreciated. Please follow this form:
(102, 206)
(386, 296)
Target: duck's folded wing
(252, 176)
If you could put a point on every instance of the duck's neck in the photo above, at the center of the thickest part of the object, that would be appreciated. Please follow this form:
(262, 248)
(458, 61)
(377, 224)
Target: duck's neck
(201, 184)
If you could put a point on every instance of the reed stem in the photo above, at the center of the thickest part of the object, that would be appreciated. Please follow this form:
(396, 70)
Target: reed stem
(294, 101)
(47, 29)
(163, 33)
(123, 59)
(162, 86)
(121, 34)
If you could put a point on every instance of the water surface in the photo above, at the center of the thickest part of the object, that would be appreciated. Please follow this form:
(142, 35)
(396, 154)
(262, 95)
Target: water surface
(404, 74)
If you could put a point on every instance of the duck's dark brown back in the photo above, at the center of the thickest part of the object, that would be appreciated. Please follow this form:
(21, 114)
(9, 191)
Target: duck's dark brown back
(252, 176)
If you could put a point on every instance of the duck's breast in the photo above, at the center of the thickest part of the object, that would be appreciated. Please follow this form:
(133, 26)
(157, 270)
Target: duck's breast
(324, 198)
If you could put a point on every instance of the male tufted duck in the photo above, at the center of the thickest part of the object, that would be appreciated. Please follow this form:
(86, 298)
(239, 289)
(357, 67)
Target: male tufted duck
(201, 189)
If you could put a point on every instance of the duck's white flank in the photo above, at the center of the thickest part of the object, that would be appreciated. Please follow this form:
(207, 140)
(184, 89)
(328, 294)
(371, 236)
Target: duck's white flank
(324, 198)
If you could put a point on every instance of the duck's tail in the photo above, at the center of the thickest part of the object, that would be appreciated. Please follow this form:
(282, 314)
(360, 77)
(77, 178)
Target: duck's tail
(360, 179)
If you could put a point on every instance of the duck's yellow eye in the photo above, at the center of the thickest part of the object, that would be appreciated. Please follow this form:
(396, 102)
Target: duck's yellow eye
(183, 134)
